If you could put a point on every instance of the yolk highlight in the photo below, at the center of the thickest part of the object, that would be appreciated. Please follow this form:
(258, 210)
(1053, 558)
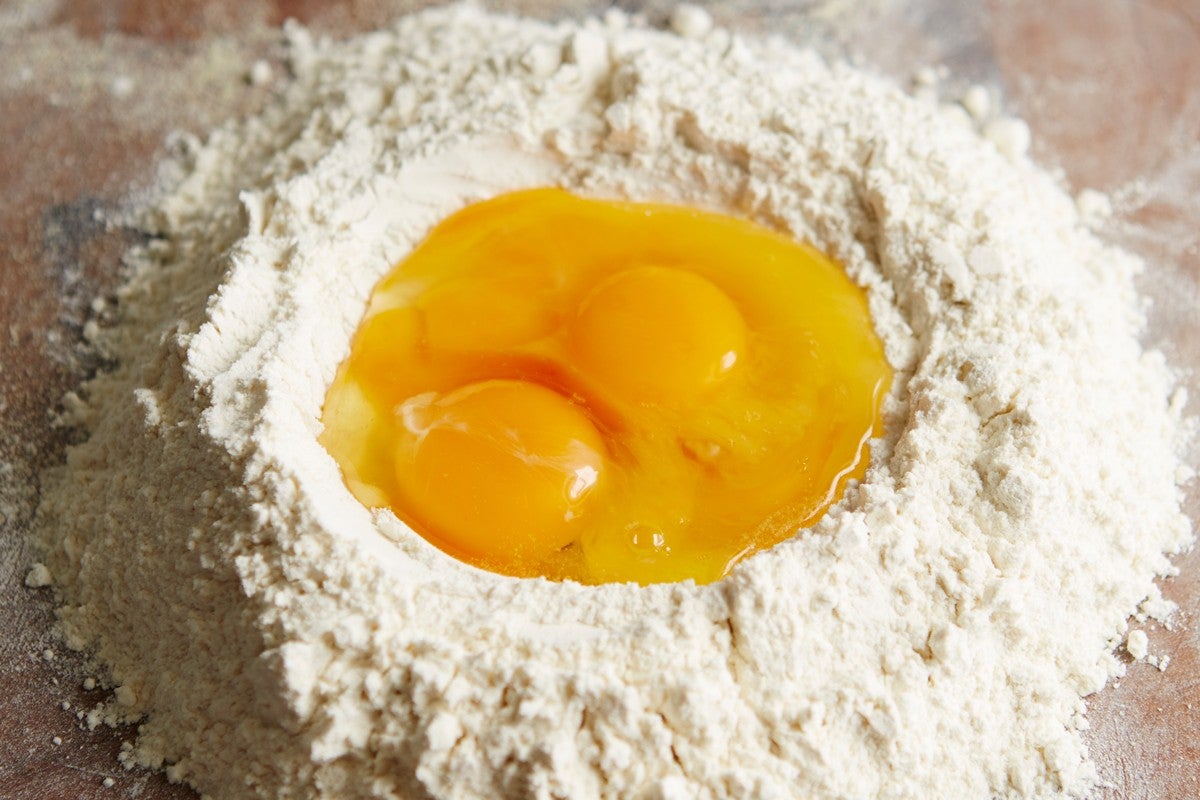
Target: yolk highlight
(607, 391)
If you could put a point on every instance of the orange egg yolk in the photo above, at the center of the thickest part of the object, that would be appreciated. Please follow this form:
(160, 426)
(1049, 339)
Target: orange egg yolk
(607, 391)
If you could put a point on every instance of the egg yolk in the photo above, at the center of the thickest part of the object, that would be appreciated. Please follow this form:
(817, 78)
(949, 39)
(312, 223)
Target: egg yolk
(607, 391)
(657, 335)
(496, 468)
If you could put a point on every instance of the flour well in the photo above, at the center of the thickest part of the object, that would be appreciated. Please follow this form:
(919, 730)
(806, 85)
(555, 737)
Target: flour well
(931, 637)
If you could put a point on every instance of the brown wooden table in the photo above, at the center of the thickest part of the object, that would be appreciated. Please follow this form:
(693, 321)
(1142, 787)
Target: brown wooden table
(89, 91)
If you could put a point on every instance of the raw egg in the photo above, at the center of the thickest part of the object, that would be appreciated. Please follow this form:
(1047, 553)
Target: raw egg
(607, 391)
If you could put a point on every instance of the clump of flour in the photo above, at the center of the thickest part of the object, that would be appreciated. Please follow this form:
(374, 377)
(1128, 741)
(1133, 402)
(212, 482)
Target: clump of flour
(931, 637)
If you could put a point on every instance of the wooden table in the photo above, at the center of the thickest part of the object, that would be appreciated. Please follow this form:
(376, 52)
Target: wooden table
(89, 92)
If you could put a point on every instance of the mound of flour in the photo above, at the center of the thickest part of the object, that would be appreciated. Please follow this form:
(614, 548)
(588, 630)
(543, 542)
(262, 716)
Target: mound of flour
(931, 637)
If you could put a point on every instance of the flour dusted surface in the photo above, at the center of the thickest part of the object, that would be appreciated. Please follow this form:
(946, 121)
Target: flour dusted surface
(930, 638)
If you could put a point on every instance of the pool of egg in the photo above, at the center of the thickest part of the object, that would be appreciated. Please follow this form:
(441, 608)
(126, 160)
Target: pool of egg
(607, 391)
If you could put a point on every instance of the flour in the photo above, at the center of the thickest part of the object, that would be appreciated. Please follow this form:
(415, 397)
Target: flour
(930, 638)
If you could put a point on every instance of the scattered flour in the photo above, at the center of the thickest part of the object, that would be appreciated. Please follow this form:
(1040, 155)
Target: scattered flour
(931, 637)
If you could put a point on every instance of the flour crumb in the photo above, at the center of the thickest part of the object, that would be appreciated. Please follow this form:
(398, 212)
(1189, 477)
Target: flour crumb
(1094, 206)
(671, 788)
(443, 732)
(1010, 135)
(977, 102)
(260, 73)
(125, 696)
(89, 684)
(1137, 644)
(121, 87)
(691, 22)
(38, 577)
(615, 19)
(925, 77)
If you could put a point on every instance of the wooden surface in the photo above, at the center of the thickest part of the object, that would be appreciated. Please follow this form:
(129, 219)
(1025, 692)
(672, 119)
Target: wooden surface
(89, 92)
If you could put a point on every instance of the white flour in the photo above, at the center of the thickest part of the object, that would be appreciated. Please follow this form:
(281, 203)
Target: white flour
(930, 638)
